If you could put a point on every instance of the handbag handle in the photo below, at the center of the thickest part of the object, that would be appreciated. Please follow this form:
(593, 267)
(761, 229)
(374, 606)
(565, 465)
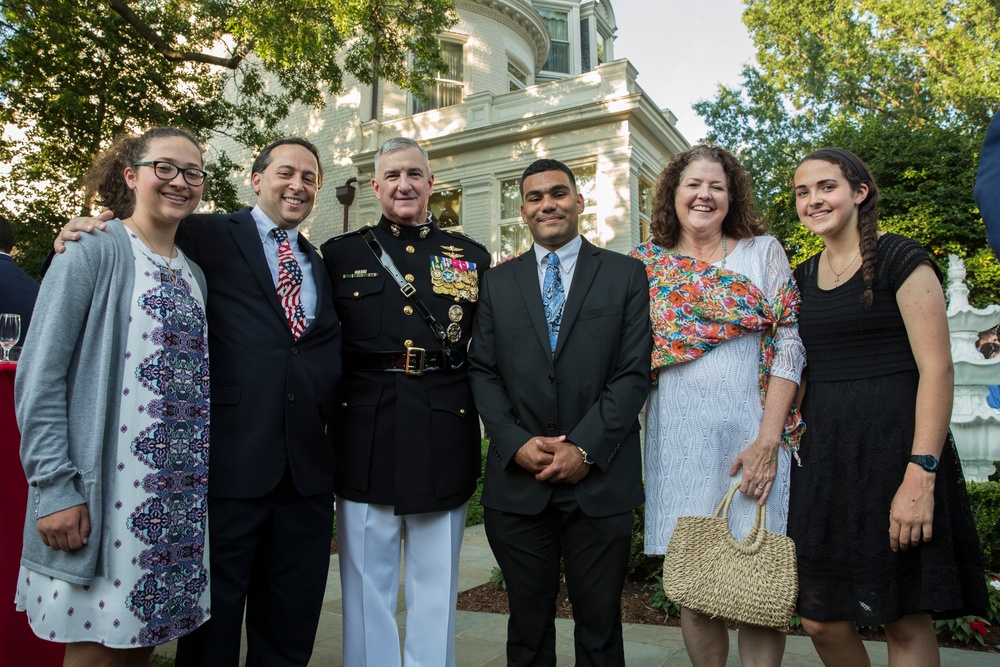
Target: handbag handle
(754, 540)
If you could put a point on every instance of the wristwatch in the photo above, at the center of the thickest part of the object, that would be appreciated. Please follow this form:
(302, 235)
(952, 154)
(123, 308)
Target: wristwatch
(586, 457)
(925, 461)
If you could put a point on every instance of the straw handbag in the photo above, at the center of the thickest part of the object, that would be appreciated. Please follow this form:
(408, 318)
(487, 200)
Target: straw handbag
(752, 581)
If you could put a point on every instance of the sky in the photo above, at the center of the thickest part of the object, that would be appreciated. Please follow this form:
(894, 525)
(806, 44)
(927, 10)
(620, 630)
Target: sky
(683, 50)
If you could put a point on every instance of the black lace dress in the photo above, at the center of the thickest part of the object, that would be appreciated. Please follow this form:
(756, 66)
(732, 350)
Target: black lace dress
(859, 411)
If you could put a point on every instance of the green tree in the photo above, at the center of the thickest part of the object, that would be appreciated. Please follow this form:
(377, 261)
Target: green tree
(904, 85)
(76, 73)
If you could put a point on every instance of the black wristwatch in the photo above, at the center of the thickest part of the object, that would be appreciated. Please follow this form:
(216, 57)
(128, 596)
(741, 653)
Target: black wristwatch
(925, 461)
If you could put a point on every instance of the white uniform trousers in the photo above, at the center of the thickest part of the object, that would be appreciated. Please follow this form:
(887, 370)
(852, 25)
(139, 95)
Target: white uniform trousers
(368, 537)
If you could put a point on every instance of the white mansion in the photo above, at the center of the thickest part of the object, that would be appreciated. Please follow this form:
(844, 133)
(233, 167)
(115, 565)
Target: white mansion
(525, 79)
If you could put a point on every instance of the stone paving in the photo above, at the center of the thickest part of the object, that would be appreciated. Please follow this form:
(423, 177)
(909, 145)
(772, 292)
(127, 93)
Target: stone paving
(480, 637)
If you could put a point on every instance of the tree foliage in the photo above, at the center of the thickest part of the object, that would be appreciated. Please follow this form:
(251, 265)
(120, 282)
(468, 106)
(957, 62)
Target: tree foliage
(76, 73)
(910, 87)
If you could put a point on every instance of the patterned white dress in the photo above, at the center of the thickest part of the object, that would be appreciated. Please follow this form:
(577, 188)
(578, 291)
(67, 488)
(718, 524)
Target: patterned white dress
(157, 588)
(703, 413)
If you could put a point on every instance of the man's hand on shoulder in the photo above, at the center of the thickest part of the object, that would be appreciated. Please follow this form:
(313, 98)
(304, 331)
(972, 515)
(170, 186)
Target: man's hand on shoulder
(71, 231)
(536, 454)
(567, 467)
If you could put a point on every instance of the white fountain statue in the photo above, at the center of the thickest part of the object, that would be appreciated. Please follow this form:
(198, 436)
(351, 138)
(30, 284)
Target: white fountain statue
(975, 424)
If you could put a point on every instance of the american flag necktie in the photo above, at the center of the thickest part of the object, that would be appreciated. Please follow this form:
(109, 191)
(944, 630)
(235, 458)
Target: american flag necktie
(290, 284)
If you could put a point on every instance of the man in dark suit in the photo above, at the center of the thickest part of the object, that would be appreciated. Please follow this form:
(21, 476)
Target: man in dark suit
(18, 290)
(987, 190)
(407, 434)
(275, 372)
(559, 365)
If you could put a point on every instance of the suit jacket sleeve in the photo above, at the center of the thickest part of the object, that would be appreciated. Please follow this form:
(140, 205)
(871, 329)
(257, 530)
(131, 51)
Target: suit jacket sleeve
(495, 408)
(987, 191)
(604, 426)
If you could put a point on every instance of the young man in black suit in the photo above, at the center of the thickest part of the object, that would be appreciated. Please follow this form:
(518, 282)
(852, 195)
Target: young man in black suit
(559, 365)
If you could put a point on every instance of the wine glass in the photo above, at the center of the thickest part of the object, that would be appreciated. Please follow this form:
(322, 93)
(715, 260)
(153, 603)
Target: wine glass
(10, 332)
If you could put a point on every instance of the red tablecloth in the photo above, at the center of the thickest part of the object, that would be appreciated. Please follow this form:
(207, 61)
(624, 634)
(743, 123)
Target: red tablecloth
(18, 644)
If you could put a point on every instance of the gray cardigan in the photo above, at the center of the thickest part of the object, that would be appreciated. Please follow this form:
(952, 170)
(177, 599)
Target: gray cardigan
(67, 394)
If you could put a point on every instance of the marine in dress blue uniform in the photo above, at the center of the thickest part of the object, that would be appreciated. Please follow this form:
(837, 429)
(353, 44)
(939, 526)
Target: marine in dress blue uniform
(405, 431)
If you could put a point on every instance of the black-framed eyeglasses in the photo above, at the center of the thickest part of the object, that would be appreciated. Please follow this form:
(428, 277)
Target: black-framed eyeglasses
(167, 171)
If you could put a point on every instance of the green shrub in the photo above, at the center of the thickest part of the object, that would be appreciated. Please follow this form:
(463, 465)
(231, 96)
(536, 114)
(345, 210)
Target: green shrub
(659, 599)
(475, 516)
(984, 497)
(497, 578)
(963, 630)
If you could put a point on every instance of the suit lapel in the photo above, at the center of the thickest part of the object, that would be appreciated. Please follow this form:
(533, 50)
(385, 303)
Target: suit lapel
(583, 276)
(319, 277)
(247, 239)
(526, 272)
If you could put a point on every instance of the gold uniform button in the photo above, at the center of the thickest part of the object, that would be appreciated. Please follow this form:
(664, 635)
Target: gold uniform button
(357, 294)
(409, 277)
(461, 411)
(410, 249)
(407, 343)
(408, 310)
(343, 405)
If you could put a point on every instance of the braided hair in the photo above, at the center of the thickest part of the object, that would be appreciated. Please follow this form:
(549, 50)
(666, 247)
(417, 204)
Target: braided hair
(107, 175)
(857, 172)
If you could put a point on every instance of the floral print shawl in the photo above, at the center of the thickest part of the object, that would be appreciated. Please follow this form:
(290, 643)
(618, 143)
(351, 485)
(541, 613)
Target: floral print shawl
(695, 306)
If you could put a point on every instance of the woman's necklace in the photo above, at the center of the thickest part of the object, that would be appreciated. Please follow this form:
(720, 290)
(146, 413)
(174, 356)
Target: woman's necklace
(836, 280)
(167, 261)
(722, 242)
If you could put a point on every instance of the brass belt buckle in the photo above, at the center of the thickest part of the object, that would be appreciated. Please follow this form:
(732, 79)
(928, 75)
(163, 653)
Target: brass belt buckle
(413, 365)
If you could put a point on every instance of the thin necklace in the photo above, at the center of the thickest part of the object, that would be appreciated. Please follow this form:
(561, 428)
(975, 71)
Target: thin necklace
(166, 260)
(836, 280)
(722, 242)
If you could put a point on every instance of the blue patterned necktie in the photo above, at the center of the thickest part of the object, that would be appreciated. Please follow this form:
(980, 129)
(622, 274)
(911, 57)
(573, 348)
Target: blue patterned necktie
(554, 299)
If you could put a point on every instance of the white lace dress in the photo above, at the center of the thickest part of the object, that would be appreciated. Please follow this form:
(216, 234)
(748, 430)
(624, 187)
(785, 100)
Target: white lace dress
(702, 414)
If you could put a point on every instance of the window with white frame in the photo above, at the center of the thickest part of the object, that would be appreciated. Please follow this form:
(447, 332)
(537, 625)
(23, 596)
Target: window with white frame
(517, 77)
(645, 208)
(514, 235)
(446, 206)
(559, 52)
(449, 88)
(586, 185)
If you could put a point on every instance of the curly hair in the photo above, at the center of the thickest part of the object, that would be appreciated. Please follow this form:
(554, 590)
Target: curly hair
(857, 172)
(107, 175)
(740, 222)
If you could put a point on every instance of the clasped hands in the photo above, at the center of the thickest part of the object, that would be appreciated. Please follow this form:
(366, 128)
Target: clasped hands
(552, 460)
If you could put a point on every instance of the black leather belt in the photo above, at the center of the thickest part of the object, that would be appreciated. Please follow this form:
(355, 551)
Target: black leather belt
(413, 361)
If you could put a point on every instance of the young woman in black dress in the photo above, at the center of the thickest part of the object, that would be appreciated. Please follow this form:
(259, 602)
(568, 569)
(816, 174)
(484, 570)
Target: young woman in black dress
(879, 510)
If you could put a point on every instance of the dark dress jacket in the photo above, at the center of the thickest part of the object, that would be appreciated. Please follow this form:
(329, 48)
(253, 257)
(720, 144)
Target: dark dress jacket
(408, 441)
(591, 392)
(987, 191)
(271, 394)
(18, 292)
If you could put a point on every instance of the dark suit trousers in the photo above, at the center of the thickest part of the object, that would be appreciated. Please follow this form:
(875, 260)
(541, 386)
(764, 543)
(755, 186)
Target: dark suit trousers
(595, 552)
(271, 555)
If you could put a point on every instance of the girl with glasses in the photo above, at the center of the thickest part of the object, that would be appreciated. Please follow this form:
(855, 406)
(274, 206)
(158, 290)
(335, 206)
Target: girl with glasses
(112, 400)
